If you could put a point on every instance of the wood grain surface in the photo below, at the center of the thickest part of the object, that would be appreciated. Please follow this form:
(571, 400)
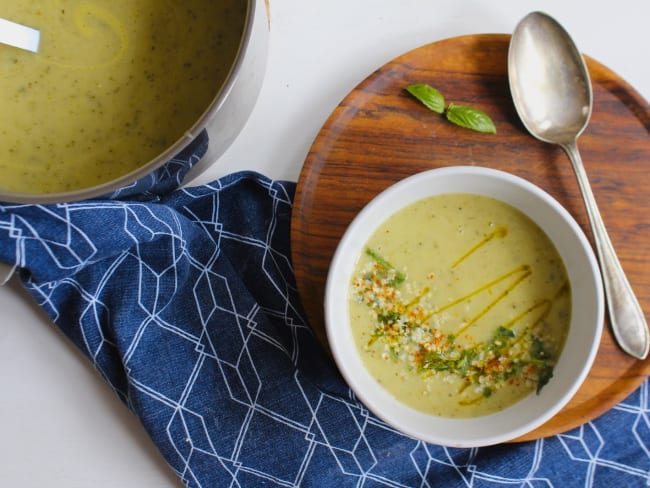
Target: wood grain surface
(379, 134)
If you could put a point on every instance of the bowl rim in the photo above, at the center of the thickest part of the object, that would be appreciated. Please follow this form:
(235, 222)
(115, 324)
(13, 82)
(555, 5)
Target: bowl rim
(477, 180)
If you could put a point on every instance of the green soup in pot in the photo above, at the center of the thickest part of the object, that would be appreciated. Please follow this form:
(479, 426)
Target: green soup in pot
(114, 84)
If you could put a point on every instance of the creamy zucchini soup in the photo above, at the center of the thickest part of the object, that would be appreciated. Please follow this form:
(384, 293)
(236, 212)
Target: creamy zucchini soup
(114, 84)
(460, 305)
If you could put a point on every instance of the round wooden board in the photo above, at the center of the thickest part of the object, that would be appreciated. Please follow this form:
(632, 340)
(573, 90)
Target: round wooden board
(379, 134)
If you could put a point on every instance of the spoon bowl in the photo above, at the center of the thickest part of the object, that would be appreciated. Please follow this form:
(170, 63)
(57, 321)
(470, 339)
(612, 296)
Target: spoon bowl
(551, 90)
(549, 80)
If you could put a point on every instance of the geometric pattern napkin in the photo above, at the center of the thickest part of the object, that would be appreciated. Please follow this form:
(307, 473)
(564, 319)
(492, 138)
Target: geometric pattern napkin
(185, 302)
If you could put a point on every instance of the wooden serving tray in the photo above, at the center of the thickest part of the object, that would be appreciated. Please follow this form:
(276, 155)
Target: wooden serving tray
(379, 134)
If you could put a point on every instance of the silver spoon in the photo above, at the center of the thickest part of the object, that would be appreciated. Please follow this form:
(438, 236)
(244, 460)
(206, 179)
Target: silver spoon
(552, 93)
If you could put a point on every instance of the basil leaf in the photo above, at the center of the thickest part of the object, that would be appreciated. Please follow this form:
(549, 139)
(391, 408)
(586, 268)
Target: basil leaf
(428, 95)
(470, 118)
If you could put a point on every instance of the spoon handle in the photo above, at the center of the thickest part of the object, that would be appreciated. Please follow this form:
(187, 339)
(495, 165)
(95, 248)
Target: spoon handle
(625, 315)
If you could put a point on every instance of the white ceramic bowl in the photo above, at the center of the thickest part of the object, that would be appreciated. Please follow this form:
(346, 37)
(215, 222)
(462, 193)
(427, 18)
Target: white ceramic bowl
(581, 344)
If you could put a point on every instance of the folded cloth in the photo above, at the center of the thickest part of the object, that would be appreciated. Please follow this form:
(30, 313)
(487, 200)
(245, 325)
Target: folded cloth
(185, 302)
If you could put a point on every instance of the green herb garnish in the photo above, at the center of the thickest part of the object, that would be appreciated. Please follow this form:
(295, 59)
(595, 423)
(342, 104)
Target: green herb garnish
(389, 317)
(504, 332)
(398, 278)
(463, 116)
(507, 357)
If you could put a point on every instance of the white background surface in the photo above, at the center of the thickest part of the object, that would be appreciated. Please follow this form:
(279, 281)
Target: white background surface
(60, 425)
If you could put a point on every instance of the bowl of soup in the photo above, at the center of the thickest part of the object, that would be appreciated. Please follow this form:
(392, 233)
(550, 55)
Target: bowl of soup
(464, 306)
(118, 88)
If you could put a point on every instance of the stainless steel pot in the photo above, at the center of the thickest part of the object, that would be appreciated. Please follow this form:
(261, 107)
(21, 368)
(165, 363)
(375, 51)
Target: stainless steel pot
(223, 119)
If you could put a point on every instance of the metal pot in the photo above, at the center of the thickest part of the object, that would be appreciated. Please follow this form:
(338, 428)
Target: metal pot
(223, 119)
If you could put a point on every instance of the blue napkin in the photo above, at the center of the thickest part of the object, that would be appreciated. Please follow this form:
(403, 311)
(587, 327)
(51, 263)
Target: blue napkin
(185, 302)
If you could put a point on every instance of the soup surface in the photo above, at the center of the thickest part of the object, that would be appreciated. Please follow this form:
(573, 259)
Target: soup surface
(114, 84)
(460, 305)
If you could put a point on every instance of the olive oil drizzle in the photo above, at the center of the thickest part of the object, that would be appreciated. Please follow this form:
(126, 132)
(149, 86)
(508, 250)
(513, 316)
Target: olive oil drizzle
(499, 233)
(520, 272)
